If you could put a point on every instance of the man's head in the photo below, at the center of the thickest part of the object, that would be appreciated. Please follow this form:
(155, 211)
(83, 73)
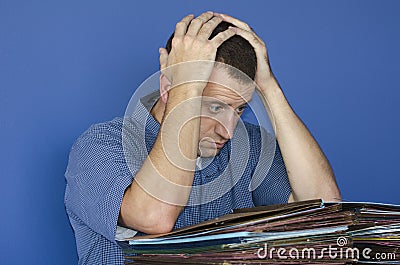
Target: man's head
(229, 89)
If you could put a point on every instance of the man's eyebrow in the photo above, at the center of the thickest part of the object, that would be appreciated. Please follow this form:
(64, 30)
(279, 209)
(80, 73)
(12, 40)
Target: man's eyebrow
(243, 106)
(215, 101)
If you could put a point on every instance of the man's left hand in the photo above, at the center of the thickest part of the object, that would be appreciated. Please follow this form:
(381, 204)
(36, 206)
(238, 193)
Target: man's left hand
(264, 74)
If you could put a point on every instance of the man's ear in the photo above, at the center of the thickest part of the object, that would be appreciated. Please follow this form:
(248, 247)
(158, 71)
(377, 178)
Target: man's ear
(165, 86)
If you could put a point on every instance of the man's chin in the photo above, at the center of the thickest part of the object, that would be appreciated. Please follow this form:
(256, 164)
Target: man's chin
(208, 152)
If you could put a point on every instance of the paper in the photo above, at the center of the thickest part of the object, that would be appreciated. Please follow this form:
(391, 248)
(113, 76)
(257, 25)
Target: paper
(309, 232)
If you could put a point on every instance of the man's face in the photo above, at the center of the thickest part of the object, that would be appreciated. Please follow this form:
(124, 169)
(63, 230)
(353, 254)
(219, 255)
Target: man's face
(224, 100)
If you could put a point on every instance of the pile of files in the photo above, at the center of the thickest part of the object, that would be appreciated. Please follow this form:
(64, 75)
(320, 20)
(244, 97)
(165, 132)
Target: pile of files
(309, 232)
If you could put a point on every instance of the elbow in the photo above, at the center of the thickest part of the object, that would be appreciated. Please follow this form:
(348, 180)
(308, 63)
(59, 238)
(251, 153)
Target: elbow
(329, 196)
(328, 190)
(325, 193)
(158, 224)
(331, 193)
(150, 216)
(162, 228)
(149, 223)
(334, 196)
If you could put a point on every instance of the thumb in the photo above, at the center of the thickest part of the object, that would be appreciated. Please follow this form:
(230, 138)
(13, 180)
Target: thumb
(163, 58)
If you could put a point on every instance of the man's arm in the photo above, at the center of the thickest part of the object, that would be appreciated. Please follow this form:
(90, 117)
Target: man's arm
(160, 190)
(309, 171)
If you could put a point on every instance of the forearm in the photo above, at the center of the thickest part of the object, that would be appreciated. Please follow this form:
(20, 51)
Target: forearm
(162, 186)
(310, 174)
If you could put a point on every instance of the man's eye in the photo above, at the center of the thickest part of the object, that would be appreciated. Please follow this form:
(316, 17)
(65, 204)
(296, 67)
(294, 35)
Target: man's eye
(215, 108)
(241, 109)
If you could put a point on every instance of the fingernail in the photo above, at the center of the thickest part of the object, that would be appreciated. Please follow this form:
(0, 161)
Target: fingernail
(210, 12)
(232, 28)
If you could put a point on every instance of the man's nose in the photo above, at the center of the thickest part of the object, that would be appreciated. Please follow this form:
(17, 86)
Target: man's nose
(227, 124)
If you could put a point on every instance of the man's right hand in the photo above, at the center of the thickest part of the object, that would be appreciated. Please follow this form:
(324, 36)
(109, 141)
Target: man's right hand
(191, 44)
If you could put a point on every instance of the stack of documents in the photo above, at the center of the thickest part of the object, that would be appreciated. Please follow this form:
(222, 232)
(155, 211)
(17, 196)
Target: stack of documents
(309, 232)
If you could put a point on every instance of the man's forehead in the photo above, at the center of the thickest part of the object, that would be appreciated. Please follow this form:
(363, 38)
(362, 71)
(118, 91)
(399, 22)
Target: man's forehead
(223, 82)
(228, 94)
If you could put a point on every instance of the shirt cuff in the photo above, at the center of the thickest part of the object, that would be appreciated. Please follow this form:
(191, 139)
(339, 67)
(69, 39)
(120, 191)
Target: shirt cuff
(123, 233)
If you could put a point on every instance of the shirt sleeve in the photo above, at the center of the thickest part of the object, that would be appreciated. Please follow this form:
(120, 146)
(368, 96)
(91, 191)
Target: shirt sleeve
(97, 176)
(273, 185)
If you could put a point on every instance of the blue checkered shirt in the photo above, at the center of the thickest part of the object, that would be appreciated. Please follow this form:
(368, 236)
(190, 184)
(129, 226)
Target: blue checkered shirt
(104, 160)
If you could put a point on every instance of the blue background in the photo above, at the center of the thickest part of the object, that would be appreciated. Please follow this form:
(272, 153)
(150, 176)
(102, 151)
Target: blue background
(65, 65)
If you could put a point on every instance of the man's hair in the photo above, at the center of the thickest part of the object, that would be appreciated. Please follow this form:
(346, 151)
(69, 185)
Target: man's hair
(236, 52)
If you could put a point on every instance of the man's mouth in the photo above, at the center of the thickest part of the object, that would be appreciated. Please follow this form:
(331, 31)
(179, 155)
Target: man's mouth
(219, 145)
(210, 143)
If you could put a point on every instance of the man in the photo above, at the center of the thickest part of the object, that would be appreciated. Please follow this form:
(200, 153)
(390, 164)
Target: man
(176, 172)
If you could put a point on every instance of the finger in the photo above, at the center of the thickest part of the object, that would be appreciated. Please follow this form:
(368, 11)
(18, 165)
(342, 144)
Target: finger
(163, 58)
(207, 29)
(250, 36)
(238, 23)
(197, 23)
(182, 25)
(222, 36)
